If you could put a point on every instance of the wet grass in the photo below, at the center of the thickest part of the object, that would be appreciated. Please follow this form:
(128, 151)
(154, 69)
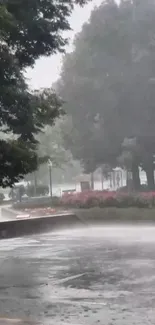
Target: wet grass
(130, 215)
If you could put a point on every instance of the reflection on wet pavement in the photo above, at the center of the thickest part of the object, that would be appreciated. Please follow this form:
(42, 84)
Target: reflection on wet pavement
(93, 276)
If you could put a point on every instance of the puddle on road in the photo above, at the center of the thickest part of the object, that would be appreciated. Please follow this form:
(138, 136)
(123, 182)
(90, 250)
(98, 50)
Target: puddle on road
(84, 276)
(123, 233)
(143, 233)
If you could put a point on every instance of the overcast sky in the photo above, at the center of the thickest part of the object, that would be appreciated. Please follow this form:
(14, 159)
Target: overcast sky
(46, 70)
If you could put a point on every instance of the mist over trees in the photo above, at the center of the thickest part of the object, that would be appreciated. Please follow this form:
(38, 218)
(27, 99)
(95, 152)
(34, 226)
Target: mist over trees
(28, 30)
(51, 145)
(108, 85)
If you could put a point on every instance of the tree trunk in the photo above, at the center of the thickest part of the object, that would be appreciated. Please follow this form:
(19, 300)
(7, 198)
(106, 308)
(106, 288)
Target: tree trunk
(150, 176)
(102, 178)
(35, 184)
(92, 181)
(135, 176)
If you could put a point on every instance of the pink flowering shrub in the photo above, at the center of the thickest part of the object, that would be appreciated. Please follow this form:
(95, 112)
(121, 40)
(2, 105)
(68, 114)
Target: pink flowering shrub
(108, 199)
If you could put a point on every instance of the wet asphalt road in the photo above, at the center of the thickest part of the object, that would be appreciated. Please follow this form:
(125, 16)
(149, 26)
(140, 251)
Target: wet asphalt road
(94, 276)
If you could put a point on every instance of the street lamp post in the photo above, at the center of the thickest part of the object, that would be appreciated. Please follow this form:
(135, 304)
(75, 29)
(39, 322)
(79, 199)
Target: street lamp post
(50, 165)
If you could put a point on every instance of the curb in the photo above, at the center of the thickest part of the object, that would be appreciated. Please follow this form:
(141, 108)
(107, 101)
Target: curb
(26, 227)
(8, 213)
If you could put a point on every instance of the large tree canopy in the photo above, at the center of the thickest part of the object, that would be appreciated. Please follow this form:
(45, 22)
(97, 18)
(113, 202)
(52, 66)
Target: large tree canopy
(28, 29)
(108, 84)
(31, 28)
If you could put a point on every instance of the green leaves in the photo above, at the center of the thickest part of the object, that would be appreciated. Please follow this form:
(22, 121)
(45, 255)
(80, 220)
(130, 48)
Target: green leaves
(49, 107)
(28, 30)
(35, 27)
(16, 159)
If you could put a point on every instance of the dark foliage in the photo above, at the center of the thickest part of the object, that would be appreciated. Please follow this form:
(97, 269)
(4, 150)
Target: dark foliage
(28, 30)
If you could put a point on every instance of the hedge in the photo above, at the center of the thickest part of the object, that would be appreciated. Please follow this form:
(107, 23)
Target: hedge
(85, 200)
(105, 199)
